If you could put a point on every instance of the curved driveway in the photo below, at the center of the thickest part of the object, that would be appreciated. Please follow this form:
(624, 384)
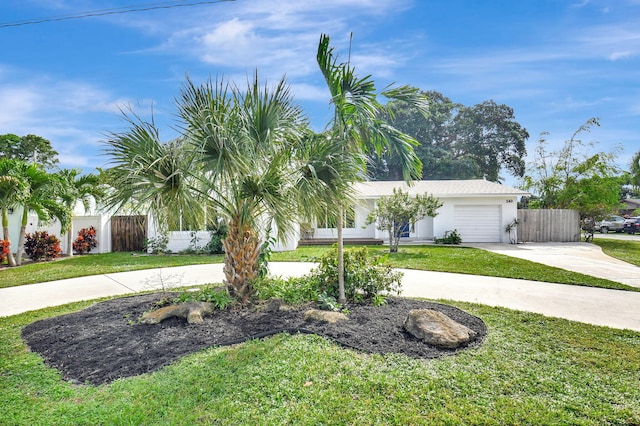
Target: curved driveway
(613, 308)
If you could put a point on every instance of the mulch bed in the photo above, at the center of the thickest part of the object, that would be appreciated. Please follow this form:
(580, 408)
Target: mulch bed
(105, 341)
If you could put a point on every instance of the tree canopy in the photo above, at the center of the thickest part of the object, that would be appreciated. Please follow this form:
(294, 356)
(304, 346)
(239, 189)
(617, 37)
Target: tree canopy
(574, 177)
(456, 141)
(29, 148)
(395, 212)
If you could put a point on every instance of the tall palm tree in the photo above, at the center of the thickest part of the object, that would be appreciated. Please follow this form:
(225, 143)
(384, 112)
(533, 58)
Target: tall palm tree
(76, 187)
(234, 156)
(357, 124)
(12, 189)
(41, 197)
(246, 141)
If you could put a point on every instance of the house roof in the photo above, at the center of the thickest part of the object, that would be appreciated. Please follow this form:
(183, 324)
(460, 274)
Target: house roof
(438, 188)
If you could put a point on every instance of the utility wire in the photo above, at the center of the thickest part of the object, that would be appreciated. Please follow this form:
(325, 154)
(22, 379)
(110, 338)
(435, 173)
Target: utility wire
(112, 11)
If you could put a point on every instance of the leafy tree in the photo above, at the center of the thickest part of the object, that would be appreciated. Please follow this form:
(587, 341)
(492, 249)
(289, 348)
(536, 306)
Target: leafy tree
(635, 171)
(574, 179)
(359, 128)
(398, 210)
(458, 142)
(29, 148)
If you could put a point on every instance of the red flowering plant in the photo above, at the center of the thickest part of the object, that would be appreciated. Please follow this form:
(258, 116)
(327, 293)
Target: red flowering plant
(40, 245)
(86, 240)
(4, 250)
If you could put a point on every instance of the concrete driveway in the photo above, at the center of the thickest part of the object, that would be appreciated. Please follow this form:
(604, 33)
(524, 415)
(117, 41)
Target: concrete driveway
(585, 258)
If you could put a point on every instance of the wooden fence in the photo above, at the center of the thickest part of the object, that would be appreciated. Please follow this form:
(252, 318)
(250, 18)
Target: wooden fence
(548, 225)
(128, 233)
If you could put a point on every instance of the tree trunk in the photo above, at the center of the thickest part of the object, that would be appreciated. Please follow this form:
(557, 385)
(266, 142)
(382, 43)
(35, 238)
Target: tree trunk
(341, 296)
(242, 249)
(70, 240)
(5, 235)
(21, 236)
(392, 245)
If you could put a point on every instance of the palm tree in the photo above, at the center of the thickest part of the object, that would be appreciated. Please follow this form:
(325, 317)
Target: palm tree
(12, 189)
(40, 197)
(234, 156)
(76, 187)
(357, 126)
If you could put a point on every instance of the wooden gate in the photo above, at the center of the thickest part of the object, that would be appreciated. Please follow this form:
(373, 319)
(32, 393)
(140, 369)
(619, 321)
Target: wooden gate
(548, 225)
(128, 233)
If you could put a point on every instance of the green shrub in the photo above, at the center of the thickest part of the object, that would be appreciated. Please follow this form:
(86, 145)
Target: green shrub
(216, 295)
(292, 290)
(366, 279)
(450, 237)
(40, 245)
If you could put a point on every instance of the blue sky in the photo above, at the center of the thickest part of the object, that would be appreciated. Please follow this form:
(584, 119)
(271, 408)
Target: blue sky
(556, 63)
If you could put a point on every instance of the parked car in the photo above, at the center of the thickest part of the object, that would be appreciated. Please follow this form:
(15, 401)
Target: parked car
(632, 225)
(612, 223)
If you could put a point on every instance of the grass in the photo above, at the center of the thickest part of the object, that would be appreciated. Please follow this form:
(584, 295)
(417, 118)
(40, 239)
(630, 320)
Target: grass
(467, 260)
(94, 264)
(530, 370)
(626, 250)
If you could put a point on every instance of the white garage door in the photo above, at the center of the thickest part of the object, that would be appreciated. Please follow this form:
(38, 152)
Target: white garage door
(478, 224)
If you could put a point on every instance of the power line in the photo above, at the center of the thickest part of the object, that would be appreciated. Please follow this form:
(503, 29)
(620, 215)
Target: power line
(112, 11)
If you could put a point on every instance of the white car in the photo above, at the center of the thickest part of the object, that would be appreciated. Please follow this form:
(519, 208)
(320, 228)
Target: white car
(612, 223)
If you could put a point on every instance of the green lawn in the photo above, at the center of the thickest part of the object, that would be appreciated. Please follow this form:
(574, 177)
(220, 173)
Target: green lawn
(467, 260)
(94, 264)
(530, 370)
(440, 258)
(626, 250)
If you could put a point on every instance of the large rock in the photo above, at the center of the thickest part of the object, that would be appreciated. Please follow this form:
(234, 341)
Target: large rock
(328, 316)
(192, 311)
(435, 328)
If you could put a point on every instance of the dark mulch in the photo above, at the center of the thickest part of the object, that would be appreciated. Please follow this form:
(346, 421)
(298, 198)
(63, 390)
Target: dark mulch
(105, 341)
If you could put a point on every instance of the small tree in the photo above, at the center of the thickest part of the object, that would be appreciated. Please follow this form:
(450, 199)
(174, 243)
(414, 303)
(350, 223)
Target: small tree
(395, 212)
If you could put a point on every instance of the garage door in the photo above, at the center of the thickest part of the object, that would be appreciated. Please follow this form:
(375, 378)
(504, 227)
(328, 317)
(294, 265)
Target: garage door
(478, 224)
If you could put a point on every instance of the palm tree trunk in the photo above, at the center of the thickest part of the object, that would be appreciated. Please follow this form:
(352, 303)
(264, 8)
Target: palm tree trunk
(341, 296)
(70, 240)
(242, 248)
(5, 235)
(21, 236)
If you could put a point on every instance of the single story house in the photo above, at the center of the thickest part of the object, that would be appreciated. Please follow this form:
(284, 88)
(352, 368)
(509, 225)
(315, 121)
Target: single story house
(477, 209)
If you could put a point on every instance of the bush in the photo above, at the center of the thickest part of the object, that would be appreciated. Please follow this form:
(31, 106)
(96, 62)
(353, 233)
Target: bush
(366, 279)
(4, 250)
(86, 240)
(41, 245)
(293, 290)
(450, 237)
(216, 295)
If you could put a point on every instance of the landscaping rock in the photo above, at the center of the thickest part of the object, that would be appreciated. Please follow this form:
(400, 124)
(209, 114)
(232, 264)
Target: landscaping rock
(192, 311)
(435, 328)
(328, 316)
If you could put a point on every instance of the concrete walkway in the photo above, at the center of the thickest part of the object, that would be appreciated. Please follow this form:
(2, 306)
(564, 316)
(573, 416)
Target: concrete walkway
(613, 308)
(585, 258)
